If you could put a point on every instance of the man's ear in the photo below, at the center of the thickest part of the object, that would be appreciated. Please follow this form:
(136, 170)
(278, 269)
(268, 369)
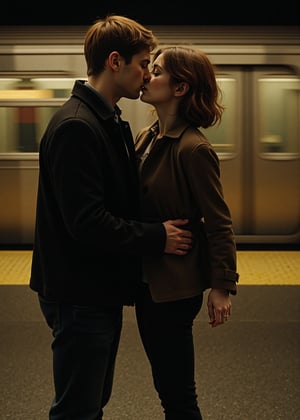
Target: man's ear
(114, 60)
(181, 88)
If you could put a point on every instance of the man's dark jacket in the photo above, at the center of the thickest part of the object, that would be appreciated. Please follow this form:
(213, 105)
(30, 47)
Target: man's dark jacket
(89, 242)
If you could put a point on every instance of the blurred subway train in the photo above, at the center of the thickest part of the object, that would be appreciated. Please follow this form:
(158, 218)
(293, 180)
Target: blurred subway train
(258, 141)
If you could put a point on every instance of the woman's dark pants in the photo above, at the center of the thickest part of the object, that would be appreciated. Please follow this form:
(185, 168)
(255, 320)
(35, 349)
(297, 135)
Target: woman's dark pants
(166, 333)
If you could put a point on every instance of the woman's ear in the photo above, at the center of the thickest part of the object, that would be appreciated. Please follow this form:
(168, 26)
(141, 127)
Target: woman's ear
(181, 88)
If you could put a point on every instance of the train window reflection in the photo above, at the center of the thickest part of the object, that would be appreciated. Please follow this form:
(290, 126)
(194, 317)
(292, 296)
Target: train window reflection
(279, 115)
(222, 136)
(26, 105)
(23, 128)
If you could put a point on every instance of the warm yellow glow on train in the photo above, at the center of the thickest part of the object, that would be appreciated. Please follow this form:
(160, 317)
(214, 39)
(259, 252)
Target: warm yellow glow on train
(25, 94)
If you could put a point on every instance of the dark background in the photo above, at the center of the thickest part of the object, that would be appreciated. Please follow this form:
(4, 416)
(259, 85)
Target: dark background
(160, 12)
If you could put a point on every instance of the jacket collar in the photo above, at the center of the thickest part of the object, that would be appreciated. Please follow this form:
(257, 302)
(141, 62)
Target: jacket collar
(173, 133)
(94, 100)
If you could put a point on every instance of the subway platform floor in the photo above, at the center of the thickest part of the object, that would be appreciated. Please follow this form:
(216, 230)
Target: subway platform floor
(247, 369)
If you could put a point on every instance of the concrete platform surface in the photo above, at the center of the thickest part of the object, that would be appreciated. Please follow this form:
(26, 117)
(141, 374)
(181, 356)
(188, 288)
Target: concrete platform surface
(247, 369)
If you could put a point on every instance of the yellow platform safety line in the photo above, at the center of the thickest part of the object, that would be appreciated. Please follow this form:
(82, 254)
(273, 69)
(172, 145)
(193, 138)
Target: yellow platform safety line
(254, 267)
(15, 267)
(269, 267)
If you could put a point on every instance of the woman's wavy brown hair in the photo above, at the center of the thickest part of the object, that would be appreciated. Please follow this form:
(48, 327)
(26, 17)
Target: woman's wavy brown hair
(201, 105)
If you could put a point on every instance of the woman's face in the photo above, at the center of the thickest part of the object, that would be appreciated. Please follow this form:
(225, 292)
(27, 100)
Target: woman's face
(158, 90)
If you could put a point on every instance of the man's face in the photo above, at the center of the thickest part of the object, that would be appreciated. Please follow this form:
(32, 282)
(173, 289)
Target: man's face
(132, 77)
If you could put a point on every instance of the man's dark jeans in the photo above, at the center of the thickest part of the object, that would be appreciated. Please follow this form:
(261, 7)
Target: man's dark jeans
(85, 344)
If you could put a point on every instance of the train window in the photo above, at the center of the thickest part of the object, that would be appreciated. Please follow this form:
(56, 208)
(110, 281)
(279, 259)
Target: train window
(279, 114)
(26, 105)
(222, 136)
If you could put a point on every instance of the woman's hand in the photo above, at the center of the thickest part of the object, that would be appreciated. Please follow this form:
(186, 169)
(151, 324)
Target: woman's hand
(219, 306)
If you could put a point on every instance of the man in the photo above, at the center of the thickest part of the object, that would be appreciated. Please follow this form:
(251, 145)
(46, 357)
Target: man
(89, 243)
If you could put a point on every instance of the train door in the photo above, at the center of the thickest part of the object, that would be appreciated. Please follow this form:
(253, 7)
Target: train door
(276, 165)
(258, 144)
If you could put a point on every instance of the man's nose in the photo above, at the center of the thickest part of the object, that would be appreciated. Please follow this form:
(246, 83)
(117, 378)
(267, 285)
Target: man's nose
(147, 76)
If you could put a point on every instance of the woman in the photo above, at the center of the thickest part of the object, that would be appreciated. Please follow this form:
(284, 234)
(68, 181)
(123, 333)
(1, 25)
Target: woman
(180, 177)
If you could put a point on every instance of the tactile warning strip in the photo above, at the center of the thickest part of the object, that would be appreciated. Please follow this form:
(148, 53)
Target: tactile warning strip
(254, 267)
(15, 267)
(269, 267)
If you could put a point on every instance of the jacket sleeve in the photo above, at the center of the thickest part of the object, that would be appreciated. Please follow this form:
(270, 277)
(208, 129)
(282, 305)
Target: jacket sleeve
(203, 172)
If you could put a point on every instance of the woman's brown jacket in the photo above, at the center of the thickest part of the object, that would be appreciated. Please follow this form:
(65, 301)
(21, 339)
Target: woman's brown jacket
(180, 178)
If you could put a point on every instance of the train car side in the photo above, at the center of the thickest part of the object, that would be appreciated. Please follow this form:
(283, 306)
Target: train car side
(258, 142)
